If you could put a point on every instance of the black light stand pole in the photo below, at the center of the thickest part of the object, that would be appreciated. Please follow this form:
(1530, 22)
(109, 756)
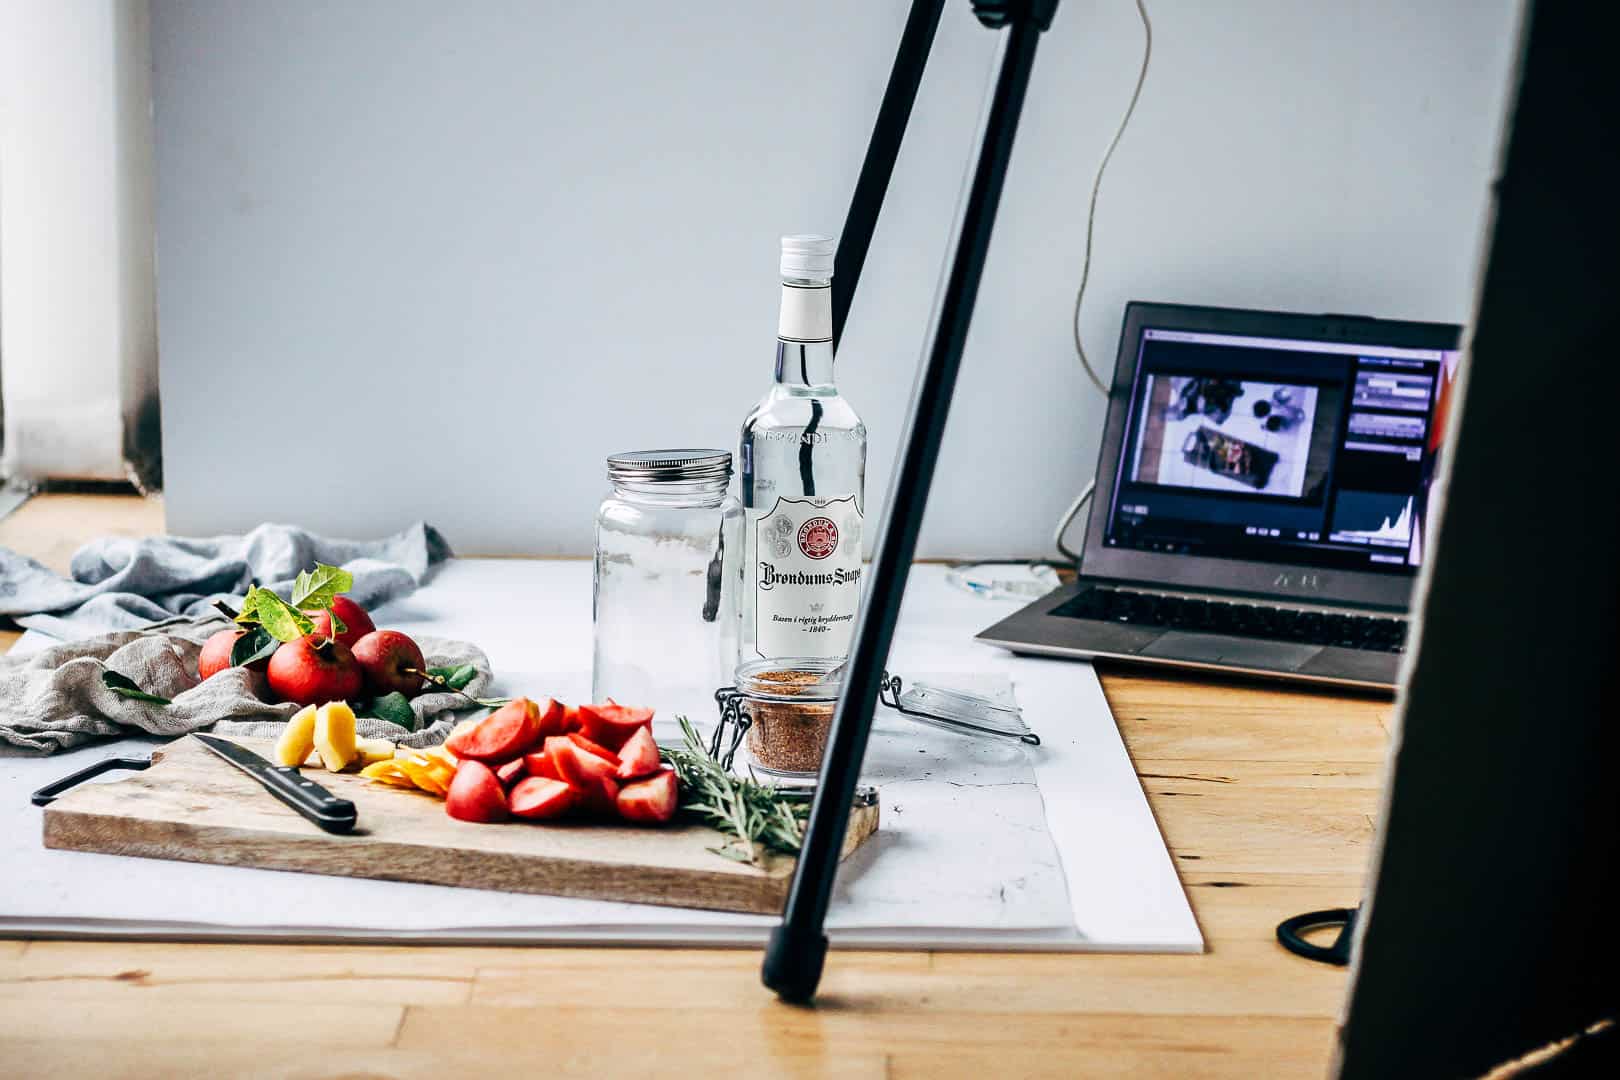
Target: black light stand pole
(881, 151)
(798, 947)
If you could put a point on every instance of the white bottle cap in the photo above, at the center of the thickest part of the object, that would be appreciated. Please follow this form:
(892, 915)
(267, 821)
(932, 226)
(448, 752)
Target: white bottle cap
(808, 257)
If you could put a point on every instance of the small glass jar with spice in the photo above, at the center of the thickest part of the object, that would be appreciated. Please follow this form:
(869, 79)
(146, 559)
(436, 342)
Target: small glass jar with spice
(789, 704)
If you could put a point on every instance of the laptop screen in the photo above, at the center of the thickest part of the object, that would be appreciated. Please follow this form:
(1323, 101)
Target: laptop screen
(1284, 451)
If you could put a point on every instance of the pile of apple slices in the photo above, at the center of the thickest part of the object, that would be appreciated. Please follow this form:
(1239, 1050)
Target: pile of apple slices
(430, 769)
(544, 762)
(325, 736)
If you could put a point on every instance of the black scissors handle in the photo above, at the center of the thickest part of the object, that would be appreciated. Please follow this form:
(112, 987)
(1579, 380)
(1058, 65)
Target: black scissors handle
(1289, 933)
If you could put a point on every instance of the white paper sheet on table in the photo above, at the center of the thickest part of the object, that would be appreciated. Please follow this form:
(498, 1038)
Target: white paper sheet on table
(1096, 877)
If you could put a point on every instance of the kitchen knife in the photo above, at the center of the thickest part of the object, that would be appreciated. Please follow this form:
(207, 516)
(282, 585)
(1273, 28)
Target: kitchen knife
(313, 802)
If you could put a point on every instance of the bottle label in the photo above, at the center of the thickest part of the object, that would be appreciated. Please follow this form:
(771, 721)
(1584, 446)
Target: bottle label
(805, 557)
(806, 313)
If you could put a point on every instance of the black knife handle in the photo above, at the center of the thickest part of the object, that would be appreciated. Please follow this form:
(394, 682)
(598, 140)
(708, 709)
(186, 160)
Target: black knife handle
(309, 799)
(48, 794)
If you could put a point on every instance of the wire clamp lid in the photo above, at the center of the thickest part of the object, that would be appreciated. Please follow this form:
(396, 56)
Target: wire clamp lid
(958, 710)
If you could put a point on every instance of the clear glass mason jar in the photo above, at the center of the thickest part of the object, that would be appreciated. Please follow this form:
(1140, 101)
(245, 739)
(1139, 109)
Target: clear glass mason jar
(668, 572)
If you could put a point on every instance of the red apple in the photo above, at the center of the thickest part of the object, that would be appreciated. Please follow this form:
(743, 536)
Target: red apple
(314, 670)
(216, 653)
(389, 659)
(356, 623)
(475, 794)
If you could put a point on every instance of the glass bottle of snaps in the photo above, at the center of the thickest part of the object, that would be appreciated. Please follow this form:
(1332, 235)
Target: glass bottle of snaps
(802, 457)
(668, 571)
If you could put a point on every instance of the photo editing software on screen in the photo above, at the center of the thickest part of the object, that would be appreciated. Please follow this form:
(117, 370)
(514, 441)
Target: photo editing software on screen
(1308, 452)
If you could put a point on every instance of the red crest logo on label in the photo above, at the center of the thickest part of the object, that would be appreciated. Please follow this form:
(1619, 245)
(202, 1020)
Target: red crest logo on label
(818, 537)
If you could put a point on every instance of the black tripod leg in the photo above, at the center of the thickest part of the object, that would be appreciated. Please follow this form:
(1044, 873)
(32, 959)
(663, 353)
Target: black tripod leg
(798, 947)
(881, 152)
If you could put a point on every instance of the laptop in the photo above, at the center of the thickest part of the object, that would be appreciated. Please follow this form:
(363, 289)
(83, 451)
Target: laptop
(1262, 497)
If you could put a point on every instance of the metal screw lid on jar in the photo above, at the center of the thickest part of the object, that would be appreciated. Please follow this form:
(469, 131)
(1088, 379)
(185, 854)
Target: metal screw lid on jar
(670, 466)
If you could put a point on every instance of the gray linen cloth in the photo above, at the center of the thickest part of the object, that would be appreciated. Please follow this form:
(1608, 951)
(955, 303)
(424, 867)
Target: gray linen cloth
(122, 583)
(56, 699)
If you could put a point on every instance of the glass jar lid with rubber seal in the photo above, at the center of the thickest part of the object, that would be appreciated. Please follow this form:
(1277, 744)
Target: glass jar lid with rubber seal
(784, 708)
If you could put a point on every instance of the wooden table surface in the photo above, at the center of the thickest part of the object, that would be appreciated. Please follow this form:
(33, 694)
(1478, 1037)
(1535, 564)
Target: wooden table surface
(1266, 798)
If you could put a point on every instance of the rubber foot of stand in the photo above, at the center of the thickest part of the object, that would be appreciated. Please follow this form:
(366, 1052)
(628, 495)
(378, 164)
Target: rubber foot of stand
(793, 963)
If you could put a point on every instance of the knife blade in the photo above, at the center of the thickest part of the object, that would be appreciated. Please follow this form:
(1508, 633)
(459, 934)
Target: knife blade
(312, 802)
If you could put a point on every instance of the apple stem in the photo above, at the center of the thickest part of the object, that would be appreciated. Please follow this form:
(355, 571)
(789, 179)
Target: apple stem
(443, 684)
(435, 680)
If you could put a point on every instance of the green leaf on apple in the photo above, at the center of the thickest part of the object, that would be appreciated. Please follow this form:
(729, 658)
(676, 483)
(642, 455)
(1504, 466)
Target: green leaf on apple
(254, 645)
(248, 616)
(281, 619)
(454, 678)
(394, 708)
(318, 588)
(124, 686)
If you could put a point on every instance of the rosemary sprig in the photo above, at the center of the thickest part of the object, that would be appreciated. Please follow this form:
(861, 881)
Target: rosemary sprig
(754, 815)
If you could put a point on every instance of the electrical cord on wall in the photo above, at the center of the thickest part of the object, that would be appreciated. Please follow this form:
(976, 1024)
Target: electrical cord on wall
(1085, 270)
(1069, 515)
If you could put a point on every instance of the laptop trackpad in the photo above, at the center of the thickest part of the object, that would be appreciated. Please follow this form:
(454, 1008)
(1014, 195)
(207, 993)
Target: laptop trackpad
(1233, 651)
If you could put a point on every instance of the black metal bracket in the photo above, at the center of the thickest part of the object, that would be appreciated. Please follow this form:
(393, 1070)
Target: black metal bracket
(735, 715)
(999, 13)
(1290, 935)
(48, 794)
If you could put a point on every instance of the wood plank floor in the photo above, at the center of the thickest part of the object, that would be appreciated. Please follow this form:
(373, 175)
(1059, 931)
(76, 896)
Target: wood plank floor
(1266, 798)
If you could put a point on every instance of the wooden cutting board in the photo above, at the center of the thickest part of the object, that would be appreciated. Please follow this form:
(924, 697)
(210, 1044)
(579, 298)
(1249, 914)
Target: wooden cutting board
(193, 806)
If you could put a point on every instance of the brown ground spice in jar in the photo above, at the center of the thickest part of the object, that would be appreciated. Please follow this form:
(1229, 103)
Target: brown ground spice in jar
(788, 736)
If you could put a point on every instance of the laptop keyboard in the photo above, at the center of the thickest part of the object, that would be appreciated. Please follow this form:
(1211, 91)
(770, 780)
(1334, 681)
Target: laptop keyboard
(1369, 632)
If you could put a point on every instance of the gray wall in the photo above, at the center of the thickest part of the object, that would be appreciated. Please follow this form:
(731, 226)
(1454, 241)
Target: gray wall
(423, 260)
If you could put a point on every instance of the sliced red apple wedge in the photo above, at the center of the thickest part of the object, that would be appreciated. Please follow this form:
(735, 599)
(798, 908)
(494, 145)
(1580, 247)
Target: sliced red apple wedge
(594, 748)
(592, 775)
(553, 718)
(650, 800)
(512, 772)
(504, 734)
(611, 725)
(475, 794)
(539, 763)
(638, 757)
(539, 799)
